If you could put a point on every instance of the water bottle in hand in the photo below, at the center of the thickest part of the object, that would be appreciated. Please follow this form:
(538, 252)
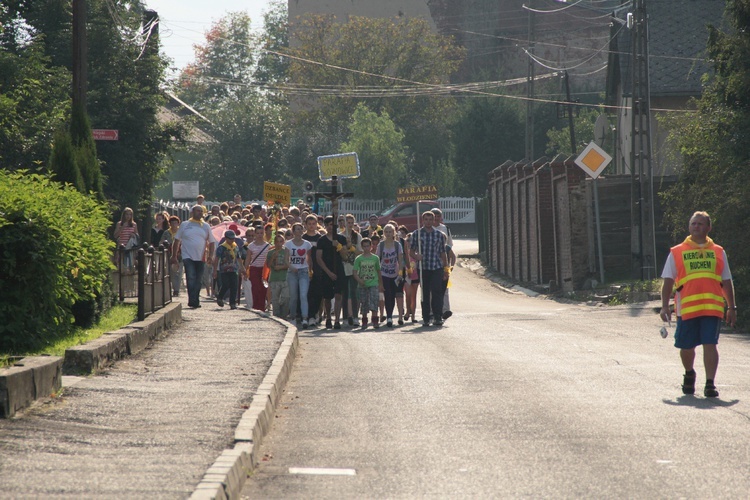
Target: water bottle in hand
(663, 331)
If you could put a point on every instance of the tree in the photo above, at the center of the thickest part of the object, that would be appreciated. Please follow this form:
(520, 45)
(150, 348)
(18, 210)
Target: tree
(382, 154)
(486, 133)
(395, 54)
(63, 162)
(223, 66)
(85, 151)
(247, 148)
(713, 143)
(273, 68)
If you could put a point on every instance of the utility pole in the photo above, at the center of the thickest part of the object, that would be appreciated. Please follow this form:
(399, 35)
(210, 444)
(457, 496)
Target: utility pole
(571, 124)
(642, 186)
(80, 54)
(530, 88)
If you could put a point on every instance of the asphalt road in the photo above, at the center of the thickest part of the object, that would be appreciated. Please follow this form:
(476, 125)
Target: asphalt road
(514, 397)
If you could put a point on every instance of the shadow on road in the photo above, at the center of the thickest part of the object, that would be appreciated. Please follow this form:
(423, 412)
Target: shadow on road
(700, 403)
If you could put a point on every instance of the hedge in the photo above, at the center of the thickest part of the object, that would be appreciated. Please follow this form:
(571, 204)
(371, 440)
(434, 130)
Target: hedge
(55, 258)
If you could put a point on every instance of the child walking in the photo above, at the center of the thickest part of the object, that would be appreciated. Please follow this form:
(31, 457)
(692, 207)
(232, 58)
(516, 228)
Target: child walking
(367, 275)
(229, 264)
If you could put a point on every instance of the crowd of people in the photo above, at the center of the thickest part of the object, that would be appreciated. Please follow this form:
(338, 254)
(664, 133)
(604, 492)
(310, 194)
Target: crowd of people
(310, 269)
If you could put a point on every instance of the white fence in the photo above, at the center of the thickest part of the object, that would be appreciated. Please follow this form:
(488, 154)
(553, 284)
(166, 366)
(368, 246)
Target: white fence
(360, 209)
(458, 210)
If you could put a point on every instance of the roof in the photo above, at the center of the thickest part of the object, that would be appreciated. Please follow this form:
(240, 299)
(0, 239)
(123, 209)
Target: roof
(175, 110)
(677, 47)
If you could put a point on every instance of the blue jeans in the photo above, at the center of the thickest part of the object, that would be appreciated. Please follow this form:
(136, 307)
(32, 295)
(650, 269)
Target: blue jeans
(299, 284)
(194, 278)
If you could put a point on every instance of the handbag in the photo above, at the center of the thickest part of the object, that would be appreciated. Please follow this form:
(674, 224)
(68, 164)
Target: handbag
(247, 288)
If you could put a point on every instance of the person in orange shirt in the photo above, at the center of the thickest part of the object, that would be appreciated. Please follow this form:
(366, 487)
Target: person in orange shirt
(704, 296)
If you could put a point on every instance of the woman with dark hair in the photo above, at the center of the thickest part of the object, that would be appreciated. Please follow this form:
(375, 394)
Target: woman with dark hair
(161, 224)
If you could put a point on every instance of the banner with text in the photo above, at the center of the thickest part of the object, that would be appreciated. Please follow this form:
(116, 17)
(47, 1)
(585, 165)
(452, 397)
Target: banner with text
(343, 166)
(419, 193)
(277, 193)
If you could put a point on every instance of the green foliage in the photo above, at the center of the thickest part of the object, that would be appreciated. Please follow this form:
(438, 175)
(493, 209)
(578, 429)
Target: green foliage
(223, 66)
(405, 49)
(85, 151)
(272, 68)
(382, 154)
(54, 253)
(33, 102)
(714, 143)
(63, 162)
(486, 133)
(559, 138)
(247, 151)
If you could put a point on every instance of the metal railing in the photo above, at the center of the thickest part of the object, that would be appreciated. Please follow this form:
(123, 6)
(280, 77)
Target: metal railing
(144, 272)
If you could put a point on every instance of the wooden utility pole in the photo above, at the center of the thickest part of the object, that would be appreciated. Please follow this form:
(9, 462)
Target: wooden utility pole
(571, 122)
(530, 89)
(80, 54)
(642, 192)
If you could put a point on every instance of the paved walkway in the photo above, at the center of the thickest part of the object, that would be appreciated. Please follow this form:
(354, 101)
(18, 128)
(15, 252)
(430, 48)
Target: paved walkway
(152, 424)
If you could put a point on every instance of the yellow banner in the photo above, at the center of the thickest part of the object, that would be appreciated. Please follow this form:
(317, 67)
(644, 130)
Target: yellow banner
(343, 166)
(418, 193)
(277, 193)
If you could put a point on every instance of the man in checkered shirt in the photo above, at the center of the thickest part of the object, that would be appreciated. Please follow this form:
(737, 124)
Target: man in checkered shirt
(428, 249)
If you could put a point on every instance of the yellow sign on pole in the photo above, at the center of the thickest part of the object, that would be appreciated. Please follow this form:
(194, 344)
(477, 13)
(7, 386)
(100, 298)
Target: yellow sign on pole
(343, 166)
(277, 193)
(593, 159)
(419, 193)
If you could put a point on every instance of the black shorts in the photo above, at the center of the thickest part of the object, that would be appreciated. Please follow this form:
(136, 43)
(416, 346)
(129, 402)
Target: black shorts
(329, 288)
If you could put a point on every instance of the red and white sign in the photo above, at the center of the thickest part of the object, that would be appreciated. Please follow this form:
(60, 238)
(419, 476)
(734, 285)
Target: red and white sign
(101, 134)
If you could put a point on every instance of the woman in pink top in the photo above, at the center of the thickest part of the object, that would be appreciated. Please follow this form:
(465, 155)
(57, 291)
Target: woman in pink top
(126, 228)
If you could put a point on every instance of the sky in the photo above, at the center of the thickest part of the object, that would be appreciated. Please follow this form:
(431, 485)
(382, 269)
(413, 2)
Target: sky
(185, 22)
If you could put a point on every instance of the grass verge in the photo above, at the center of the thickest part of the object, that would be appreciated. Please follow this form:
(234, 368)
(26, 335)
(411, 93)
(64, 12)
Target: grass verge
(114, 319)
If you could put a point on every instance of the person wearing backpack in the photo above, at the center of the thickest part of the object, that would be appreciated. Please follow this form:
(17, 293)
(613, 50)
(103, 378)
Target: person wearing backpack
(391, 256)
(229, 264)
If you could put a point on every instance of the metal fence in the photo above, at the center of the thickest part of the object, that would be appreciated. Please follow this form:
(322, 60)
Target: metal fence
(144, 272)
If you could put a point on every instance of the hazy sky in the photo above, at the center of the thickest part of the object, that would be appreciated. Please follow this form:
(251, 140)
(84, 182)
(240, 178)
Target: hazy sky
(184, 22)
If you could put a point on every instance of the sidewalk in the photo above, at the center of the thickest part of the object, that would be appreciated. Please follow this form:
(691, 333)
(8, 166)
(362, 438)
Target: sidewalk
(151, 425)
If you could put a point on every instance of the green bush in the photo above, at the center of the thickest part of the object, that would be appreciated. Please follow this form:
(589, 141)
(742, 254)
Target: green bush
(54, 257)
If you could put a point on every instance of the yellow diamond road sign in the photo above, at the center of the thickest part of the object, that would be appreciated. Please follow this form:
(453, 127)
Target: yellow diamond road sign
(593, 160)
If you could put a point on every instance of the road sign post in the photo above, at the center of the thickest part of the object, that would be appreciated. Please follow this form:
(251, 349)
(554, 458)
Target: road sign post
(593, 160)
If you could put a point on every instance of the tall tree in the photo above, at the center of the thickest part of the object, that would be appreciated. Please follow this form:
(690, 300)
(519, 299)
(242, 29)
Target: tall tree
(273, 68)
(332, 58)
(382, 154)
(714, 143)
(223, 65)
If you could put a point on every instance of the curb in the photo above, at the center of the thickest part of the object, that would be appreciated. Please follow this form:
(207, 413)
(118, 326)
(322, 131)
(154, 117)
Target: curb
(226, 477)
(38, 377)
(91, 357)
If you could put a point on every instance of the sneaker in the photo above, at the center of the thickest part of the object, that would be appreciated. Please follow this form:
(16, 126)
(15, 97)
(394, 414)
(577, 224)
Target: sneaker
(710, 390)
(219, 302)
(337, 326)
(438, 322)
(364, 322)
(382, 318)
(426, 322)
(376, 325)
(413, 319)
(390, 323)
(400, 321)
(232, 306)
(688, 382)
(305, 324)
(329, 324)
(351, 321)
(355, 321)
(447, 314)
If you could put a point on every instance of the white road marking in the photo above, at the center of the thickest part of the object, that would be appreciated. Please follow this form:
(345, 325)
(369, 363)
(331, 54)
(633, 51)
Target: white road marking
(322, 471)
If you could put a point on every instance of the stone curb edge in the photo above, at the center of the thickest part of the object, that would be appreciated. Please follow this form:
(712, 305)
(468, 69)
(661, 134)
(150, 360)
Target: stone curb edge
(37, 377)
(226, 477)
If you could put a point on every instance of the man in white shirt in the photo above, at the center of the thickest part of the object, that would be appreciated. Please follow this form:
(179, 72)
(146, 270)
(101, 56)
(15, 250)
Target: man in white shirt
(193, 237)
(440, 226)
